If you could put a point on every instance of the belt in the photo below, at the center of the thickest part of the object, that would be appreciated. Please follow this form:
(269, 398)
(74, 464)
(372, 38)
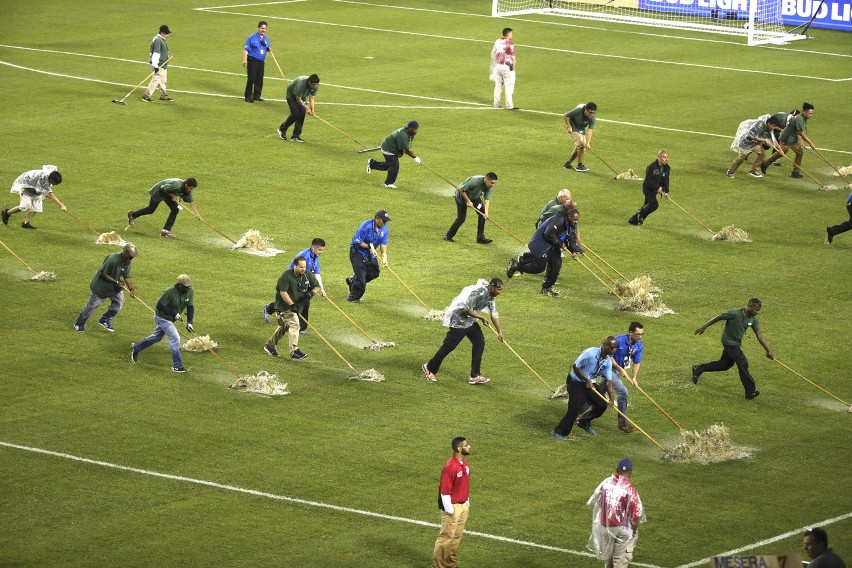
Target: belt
(254, 58)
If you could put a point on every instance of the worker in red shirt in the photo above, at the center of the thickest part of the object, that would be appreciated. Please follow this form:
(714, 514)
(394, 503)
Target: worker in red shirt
(454, 502)
(617, 514)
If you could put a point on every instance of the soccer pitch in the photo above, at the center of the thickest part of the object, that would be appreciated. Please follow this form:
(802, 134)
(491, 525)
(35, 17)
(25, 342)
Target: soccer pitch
(104, 463)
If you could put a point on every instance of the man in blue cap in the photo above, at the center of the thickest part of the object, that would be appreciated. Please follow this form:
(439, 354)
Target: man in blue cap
(394, 146)
(617, 513)
(371, 233)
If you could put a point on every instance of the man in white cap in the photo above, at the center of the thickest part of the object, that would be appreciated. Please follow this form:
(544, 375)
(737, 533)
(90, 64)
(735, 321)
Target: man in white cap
(172, 303)
(108, 284)
(617, 514)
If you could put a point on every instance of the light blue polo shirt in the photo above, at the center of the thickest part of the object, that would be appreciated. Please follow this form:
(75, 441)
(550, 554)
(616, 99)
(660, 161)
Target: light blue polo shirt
(590, 363)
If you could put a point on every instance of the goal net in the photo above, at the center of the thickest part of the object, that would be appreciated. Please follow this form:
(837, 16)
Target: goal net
(757, 20)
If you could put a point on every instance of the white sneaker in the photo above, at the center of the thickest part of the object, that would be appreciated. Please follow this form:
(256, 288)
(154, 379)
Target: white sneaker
(755, 174)
(478, 380)
(430, 376)
(389, 185)
(369, 164)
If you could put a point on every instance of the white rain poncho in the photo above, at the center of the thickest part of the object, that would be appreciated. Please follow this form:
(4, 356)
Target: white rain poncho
(615, 505)
(747, 131)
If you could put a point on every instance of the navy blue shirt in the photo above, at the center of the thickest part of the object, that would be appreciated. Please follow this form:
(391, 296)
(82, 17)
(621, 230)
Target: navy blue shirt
(257, 46)
(312, 261)
(370, 234)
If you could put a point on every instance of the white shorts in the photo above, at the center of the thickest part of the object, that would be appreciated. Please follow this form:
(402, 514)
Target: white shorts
(31, 203)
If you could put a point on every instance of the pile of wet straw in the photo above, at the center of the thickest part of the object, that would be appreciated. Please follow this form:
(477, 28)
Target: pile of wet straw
(44, 276)
(641, 296)
(111, 238)
(628, 175)
(200, 343)
(713, 445)
(435, 315)
(379, 345)
(370, 375)
(732, 234)
(253, 240)
(261, 383)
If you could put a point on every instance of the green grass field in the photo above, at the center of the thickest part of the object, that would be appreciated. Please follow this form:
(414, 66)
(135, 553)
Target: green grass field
(378, 447)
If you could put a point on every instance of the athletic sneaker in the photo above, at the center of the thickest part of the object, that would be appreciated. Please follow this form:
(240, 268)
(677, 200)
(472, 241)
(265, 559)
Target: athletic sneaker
(178, 369)
(695, 374)
(549, 292)
(581, 167)
(349, 281)
(28, 226)
(626, 428)
(281, 134)
(270, 350)
(513, 267)
(80, 327)
(305, 332)
(430, 376)
(296, 139)
(730, 174)
(297, 355)
(828, 236)
(106, 323)
(752, 395)
(568, 166)
(166, 98)
(449, 239)
(389, 185)
(484, 240)
(130, 219)
(370, 165)
(134, 355)
(796, 174)
(147, 99)
(588, 428)
(353, 300)
(478, 380)
(265, 314)
(559, 436)
(166, 234)
(6, 216)
(755, 174)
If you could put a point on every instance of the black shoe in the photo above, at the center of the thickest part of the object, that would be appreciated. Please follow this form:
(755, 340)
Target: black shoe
(828, 236)
(349, 282)
(514, 108)
(513, 267)
(633, 221)
(449, 239)
(581, 167)
(296, 139)
(297, 355)
(568, 166)
(695, 374)
(178, 369)
(6, 216)
(353, 300)
(752, 395)
(27, 226)
(249, 100)
(796, 174)
(484, 240)
(258, 99)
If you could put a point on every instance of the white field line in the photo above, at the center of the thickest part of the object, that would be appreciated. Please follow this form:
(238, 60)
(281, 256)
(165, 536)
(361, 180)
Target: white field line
(795, 532)
(589, 27)
(297, 501)
(554, 49)
(472, 105)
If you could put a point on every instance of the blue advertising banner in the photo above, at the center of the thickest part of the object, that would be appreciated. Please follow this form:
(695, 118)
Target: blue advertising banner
(831, 14)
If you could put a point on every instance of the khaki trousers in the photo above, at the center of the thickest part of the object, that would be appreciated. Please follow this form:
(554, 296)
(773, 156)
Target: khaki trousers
(449, 538)
(761, 155)
(158, 81)
(287, 322)
(618, 545)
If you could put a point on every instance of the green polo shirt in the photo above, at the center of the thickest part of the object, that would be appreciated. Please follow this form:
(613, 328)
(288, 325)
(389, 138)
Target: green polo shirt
(171, 186)
(295, 286)
(578, 120)
(158, 45)
(397, 142)
(552, 208)
(172, 298)
(790, 135)
(115, 266)
(299, 89)
(475, 188)
(736, 324)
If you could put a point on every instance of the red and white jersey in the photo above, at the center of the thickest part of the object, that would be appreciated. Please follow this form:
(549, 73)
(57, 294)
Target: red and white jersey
(619, 502)
(503, 52)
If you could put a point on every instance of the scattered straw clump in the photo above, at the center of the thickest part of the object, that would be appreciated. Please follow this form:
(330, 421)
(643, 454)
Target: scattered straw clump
(561, 392)
(732, 234)
(371, 375)
(639, 284)
(111, 238)
(261, 383)
(829, 187)
(200, 343)
(713, 445)
(640, 295)
(253, 240)
(379, 345)
(435, 315)
(630, 175)
(44, 276)
(844, 170)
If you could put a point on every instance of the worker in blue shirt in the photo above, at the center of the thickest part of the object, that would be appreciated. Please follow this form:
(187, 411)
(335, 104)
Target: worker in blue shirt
(627, 354)
(312, 259)
(362, 254)
(592, 363)
(254, 54)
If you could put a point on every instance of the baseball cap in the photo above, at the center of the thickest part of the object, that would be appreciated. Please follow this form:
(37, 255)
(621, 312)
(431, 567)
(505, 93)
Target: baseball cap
(130, 249)
(412, 124)
(624, 465)
(383, 215)
(164, 29)
(184, 279)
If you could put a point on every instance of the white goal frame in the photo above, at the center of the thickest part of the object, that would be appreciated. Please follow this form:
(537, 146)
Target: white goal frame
(759, 29)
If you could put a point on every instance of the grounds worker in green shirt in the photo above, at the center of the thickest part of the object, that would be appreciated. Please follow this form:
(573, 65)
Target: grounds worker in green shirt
(295, 286)
(108, 284)
(159, 61)
(580, 123)
(301, 97)
(474, 193)
(737, 321)
(791, 139)
(171, 304)
(169, 190)
(394, 146)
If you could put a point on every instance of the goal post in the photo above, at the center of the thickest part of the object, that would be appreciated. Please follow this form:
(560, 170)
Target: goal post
(758, 21)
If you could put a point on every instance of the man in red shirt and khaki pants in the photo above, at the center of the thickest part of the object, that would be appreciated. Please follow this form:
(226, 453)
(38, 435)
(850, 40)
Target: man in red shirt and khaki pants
(454, 503)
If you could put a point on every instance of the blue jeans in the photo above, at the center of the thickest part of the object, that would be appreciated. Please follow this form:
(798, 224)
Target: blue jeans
(116, 301)
(167, 328)
(621, 400)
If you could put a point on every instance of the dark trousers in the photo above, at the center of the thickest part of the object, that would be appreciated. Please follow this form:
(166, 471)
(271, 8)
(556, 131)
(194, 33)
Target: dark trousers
(461, 215)
(531, 264)
(597, 405)
(651, 204)
(365, 269)
(306, 307)
(297, 117)
(452, 340)
(731, 355)
(254, 80)
(152, 206)
(390, 165)
(578, 397)
(842, 227)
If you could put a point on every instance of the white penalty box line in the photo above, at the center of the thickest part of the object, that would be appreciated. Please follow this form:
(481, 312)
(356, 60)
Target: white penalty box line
(295, 500)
